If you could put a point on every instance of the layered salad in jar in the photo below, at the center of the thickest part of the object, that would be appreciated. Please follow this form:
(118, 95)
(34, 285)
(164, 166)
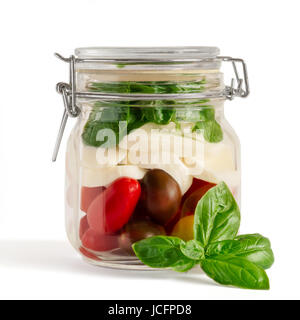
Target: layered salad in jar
(137, 168)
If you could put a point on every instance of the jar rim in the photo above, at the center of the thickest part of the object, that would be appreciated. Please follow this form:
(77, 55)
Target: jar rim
(182, 53)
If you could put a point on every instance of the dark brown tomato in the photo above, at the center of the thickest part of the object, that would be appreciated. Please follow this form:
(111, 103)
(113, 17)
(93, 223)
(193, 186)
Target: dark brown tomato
(138, 230)
(161, 196)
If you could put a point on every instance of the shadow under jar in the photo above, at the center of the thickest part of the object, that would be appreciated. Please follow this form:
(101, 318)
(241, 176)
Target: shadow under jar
(150, 140)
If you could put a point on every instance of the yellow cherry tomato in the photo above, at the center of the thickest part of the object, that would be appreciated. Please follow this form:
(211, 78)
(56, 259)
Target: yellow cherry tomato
(184, 228)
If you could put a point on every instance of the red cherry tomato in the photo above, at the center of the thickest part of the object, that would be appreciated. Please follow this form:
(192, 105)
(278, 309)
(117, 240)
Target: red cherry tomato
(99, 242)
(84, 225)
(112, 209)
(88, 195)
(187, 207)
(88, 254)
(197, 184)
(191, 202)
(170, 225)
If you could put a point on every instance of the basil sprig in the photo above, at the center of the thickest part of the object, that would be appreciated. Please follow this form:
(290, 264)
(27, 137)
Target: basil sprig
(226, 258)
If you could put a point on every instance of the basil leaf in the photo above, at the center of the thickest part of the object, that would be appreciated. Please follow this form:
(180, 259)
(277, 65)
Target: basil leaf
(256, 249)
(192, 249)
(163, 252)
(105, 118)
(207, 114)
(184, 265)
(108, 115)
(217, 216)
(225, 247)
(235, 271)
(136, 119)
(137, 113)
(92, 130)
(147, 87)
(191, 115)
(158, 115)
(212, 131)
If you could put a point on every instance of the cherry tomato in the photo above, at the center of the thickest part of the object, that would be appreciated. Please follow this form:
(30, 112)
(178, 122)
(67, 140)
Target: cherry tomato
(138, 230)
(197, 184)
(170, 224)
(88, 254)
(84, 225)
(161, 196)
(88, 195)
(191, 202)
(99, 242)
(184, 228)
(112, 209)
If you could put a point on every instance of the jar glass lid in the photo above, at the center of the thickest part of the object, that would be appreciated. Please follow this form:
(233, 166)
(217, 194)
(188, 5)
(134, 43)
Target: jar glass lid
(149, 70)
(192, 53)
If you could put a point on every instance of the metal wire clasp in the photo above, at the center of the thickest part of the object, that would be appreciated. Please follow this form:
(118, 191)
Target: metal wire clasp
(68, 92)
(242, 89)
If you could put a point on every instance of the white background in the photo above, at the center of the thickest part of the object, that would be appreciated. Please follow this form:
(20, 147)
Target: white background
(36, 261)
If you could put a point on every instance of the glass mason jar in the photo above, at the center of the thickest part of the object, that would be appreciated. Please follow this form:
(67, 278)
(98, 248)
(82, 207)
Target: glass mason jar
(150, 140)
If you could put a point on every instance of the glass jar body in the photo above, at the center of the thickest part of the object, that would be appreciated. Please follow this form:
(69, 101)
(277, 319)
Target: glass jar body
(138, 169)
